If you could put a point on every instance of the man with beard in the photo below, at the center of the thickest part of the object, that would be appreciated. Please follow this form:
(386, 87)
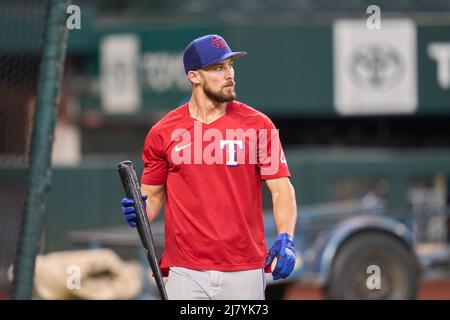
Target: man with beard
(207, 159)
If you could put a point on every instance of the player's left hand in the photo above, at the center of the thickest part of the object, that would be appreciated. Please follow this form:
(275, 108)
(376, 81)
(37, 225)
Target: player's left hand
(283, 249)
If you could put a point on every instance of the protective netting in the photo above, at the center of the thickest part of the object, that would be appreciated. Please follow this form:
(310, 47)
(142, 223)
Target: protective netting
(22, 25)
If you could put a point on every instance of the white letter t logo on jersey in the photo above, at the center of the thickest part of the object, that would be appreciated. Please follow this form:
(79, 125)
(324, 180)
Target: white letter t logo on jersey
(231, 159)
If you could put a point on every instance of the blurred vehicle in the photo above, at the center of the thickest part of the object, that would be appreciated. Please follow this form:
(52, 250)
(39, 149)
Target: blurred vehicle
(344, 245)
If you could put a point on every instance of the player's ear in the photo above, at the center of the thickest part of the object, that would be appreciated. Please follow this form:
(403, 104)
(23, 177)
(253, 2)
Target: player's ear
(194, 77)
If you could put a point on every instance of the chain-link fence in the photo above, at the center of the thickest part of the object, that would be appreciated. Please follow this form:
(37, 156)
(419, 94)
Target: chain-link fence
(22, 25)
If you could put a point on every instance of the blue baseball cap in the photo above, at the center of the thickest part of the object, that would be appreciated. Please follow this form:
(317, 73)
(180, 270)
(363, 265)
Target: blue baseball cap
(207, 50)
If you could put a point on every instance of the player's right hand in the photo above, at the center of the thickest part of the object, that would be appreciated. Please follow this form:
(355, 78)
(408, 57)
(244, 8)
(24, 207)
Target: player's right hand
(129, 211)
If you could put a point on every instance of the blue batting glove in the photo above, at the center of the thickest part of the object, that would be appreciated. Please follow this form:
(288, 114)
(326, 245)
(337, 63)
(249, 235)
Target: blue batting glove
(129, 211)
(283, 249)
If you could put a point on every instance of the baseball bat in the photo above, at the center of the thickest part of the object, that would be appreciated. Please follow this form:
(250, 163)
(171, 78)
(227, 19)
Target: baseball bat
(132, 191)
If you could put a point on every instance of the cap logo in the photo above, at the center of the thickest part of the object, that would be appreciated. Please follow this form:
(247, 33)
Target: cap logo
(217, 43)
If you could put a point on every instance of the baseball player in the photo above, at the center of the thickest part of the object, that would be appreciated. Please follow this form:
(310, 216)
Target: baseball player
(207, 159)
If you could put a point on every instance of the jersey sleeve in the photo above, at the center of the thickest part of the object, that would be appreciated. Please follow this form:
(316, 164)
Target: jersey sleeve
(271, 159)
(155, 163)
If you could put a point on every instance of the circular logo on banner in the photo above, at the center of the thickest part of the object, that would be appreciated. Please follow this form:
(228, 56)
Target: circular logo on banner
(376, 66)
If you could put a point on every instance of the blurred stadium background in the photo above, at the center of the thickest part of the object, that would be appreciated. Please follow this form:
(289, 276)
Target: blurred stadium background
(363, 116)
